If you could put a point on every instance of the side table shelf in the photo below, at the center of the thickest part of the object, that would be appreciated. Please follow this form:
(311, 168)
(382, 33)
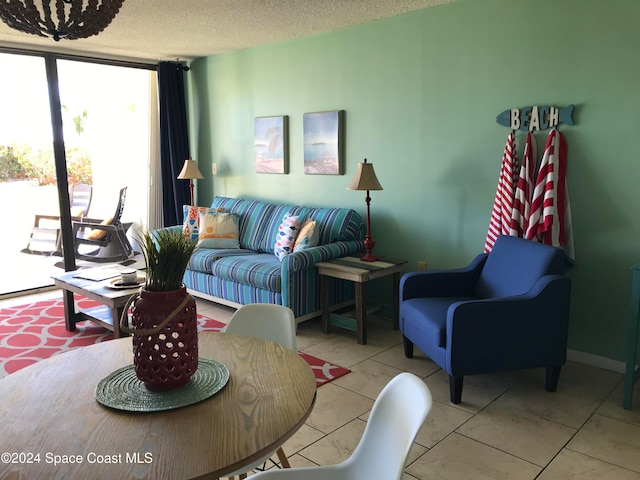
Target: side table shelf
(359, 272)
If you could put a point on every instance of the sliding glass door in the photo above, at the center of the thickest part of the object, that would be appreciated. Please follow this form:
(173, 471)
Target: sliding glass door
(106, 128)
(105, 112)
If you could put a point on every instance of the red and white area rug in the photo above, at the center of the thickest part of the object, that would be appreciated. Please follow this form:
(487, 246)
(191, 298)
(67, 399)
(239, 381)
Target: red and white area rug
(35, 331)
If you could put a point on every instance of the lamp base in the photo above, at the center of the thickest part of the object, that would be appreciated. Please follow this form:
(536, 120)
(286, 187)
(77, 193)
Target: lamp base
(369, 257)
(369, 243)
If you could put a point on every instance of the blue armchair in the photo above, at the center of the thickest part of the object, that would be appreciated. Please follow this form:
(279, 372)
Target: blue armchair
(507, 310)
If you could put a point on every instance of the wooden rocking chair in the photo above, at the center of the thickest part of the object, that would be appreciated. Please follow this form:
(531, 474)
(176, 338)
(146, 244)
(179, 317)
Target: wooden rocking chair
(45, 234)
(109, 236)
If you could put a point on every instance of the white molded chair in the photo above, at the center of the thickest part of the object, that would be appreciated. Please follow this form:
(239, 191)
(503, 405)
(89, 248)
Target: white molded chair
(396, 417)
(269, 322)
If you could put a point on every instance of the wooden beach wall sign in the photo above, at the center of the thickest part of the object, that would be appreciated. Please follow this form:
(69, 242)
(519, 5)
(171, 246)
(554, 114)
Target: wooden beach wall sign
(537, 117)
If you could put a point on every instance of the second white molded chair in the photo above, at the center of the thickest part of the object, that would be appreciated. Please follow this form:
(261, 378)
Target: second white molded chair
(269, 322)
(396, 417)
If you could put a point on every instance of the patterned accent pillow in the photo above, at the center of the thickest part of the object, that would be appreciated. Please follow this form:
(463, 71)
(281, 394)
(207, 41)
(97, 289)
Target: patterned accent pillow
(308, 236)
(191, 215)
(219, 230)
(287, 233)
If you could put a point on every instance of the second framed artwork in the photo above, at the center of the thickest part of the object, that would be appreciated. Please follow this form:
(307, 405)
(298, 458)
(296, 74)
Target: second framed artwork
(271, 144)
(323, 143)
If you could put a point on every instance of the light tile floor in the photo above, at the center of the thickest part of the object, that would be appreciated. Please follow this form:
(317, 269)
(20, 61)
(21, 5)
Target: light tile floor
(507, 426)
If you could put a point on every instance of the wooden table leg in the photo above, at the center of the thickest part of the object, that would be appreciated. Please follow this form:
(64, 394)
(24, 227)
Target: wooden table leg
(361, 314)
(69, 310)
(324, 289)
(395, 299)
(115, 316)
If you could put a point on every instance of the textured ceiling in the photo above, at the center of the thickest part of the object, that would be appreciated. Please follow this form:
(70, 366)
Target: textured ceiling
(152, 30)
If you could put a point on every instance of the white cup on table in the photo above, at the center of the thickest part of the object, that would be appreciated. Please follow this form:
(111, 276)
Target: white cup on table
(129, 276)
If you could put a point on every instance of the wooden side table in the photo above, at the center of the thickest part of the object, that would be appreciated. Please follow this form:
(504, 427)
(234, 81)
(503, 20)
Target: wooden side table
(359, 272)
(632, 372)
(112, 301)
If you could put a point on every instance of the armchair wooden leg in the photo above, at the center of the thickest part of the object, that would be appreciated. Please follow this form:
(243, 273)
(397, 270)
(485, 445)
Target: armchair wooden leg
(408, 347)
(455, 389)
(552, 377)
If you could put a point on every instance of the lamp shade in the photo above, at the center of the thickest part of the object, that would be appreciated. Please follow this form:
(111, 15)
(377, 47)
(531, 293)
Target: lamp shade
(365, 178)
(189, 170)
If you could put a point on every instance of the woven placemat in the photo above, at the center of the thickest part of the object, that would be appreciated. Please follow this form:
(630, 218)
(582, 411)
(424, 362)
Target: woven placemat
(122, 390)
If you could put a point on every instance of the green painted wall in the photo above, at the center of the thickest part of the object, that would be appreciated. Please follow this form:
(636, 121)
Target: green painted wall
(421, 92)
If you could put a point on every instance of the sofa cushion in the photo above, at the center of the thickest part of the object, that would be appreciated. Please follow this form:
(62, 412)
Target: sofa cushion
(334, 224)
(254, 216)
(262, 270)
(203, 258)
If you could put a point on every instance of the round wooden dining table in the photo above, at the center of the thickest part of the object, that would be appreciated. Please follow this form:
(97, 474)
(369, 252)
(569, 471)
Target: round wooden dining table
(53, 427)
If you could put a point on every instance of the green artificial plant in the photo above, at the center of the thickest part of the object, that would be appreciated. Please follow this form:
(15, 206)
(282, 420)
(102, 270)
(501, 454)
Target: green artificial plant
(166, 254)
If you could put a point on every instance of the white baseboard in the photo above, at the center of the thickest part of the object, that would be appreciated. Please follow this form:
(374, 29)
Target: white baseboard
(596, 361)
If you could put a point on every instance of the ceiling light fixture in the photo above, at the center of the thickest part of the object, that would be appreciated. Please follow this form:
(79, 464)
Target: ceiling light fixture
(68, 19)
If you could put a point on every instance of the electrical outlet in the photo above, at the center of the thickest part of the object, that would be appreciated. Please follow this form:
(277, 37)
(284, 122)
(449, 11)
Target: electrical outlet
(214, 168)
(422, 265)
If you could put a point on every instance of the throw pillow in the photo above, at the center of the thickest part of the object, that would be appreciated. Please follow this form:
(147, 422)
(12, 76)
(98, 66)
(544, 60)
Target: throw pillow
(97, 234)
(287, 233)
(191, 215)
(219, 230)
(308, 236)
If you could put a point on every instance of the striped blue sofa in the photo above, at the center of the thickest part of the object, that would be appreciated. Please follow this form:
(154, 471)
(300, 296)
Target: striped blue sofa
(253, 274)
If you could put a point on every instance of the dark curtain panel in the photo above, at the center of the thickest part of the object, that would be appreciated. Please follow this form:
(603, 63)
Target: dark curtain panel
(174, 141)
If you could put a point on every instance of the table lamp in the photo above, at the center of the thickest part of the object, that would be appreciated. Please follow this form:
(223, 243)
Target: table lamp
(365, 179)
(190, 171)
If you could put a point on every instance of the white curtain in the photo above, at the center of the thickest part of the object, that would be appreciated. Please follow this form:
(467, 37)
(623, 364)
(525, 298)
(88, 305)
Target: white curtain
(154, 214)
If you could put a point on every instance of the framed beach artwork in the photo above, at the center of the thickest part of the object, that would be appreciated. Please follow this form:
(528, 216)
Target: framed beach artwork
(323, 143)
(271, 144)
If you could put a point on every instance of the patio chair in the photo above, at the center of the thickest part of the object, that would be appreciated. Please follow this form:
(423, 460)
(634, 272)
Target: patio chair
(109, 236)
(45, 236)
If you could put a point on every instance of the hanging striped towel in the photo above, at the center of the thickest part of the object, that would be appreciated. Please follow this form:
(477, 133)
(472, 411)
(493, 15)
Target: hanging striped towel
(550, 220)
(503, 203)
(522, 200)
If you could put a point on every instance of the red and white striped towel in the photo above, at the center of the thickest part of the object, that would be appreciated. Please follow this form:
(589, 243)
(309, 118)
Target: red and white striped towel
(522, 200)
(503, 203)
(550, 220)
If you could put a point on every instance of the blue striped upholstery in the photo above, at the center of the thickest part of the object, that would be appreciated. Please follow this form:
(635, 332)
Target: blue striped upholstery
(253, 274)
(262, 270)
(229, 290)
(254, 217)
(203, 258)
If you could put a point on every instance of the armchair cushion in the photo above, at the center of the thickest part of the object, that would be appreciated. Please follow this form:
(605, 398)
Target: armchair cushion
(514, 267)
(430, 316)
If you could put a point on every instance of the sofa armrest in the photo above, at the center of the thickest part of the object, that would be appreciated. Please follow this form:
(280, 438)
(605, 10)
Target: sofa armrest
(308, 257)
(522, 331)
(442, 283)
(173, 228)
